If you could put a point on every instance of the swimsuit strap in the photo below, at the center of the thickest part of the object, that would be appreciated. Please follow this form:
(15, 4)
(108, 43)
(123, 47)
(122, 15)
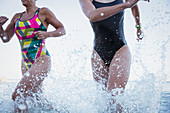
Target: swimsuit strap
(37, 10)
(104, 3)
(20, 15)
(24, 12)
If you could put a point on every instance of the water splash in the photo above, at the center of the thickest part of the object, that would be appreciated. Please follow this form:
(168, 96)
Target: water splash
(70, 87)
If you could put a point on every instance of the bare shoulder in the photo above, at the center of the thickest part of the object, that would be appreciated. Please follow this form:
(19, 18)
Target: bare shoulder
(46, 15)
(84, 1)
(16, 16)
(45, 11)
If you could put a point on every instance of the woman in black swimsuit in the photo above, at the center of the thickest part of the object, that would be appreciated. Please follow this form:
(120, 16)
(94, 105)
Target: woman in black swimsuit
(111, 58)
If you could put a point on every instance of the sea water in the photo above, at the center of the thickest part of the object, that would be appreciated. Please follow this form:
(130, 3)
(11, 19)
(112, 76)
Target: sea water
(70, 87)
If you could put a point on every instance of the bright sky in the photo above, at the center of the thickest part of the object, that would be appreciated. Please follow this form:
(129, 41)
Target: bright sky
(155, 17)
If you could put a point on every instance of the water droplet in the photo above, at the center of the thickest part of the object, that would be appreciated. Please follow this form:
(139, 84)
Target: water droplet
(22, 106)
(27, 74)
(118, 75)
(35, 46)
(117, 59)
(4, 37)
(102, 14)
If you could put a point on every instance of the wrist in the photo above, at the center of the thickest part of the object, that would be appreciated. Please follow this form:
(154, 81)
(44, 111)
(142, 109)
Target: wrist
(126, 5)
(138, 26)
(48, 34)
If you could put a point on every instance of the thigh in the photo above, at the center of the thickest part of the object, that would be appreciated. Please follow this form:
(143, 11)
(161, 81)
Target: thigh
(23, 68)
(33, 77)
(41, 66)
(99, 68)
(119, 69)
(38, 71)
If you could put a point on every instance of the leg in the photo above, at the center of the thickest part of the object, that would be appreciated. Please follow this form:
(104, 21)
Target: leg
(17, 110)
(23, 68)
(119, 70)
(33, 78)
(37, 88)
(99, 68)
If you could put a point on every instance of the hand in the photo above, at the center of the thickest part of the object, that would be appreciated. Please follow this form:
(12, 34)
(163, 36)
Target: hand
(139, 35)
(131, 3)
(41, 34)
(3, 20)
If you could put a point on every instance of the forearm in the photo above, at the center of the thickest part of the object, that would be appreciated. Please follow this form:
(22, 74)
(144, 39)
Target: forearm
(3, 34)
(105, 12)
(1, 31)
(136, 15)
(57, 33)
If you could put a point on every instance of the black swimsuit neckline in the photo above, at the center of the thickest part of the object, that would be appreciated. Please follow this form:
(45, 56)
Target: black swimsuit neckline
(103, 3)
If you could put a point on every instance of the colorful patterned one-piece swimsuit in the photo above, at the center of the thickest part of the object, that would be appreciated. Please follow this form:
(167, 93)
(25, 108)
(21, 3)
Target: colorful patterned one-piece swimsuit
(31, 47)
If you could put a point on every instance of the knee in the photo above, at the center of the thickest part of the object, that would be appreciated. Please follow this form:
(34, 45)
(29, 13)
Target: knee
(14, 96)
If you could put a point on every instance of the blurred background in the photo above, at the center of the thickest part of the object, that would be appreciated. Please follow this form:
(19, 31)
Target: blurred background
(73, 51)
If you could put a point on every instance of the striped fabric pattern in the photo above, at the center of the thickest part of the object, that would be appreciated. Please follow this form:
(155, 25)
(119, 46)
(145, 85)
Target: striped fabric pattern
(31, 47)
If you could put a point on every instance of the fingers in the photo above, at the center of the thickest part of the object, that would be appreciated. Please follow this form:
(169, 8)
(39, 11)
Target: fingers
(140, 35)
(40, 35)
(37, 32)
(3, 19)
(139, 38)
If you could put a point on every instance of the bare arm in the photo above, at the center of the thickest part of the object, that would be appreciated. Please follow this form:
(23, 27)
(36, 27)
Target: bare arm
(105, 12)
(49, 18)
(8, 33)
(135, 12)
(136, 15)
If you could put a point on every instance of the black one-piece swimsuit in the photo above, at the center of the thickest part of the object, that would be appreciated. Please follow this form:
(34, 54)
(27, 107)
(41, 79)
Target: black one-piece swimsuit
(109, 34)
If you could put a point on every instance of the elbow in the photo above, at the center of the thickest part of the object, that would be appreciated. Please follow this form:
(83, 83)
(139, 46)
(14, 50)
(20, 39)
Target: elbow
(63, 31)
(92, 17)
(5, 39)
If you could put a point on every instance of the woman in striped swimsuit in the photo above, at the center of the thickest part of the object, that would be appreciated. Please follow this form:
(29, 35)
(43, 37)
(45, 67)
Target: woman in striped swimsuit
(31, 29)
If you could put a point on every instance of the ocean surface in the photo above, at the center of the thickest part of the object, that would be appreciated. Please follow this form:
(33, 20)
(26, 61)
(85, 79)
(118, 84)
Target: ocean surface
(70, 95)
